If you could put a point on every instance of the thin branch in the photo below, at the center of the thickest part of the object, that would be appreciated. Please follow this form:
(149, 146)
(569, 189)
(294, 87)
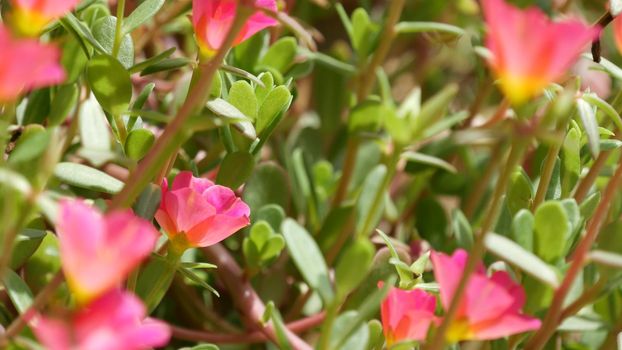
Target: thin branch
(246, 338)
(244, 296)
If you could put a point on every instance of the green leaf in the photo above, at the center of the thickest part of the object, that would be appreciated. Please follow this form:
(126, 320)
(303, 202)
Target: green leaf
(359, 337)
(280, 55)
(32, 144)
(365, 212)
(165, 65)
(110, 83)
(607, 109)
(462, 230)
(433, 110)
(367, 116)
(154, 280)
(18, 291)
(272, 313)
(242, 96)
(606, 258)
(522, 229)
(70, 21)
(152, 60)
(516, 255)
(230, 113)
(86, 177)
(587, 113)
(138, 143)
(267, 185)
(26, 243)
(189, 274)
(275, 102)
(104, 31)
(63, 103)
(589, 205)
(429, 160)
(571, 151)
(353, 265)
(520, 192)
(38, 107)
(551, 231)
(422, 27)
(364, 33)
(148, 202)
(308, 258)
(144, 12)
(235, 169)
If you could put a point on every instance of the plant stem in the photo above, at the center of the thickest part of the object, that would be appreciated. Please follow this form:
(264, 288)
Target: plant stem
(118, 32)
(327, 326)
(41, 299)
(246, 338)
(477, 252)
(546, 175)
(367, 79)
(174, 135)
(585, 298)
(553, 318)
(244, 296)
(480, 187)
(586, 183)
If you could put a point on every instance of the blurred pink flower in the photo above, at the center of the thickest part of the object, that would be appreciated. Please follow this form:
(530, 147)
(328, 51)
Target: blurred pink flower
(212, 20)
(115, 321)
(407, 315)
(29, 17)
(529, 51)
(26, 64)
(97, 252)
(491, 306)
(196, 213)
(617, 32)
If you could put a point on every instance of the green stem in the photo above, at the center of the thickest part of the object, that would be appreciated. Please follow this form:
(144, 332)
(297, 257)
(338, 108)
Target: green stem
(367, 78)
(327, 327)
(118, 33)
(477, 252)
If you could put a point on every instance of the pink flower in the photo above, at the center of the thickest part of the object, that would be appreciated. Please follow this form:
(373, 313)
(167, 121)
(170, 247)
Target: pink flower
(26, 64)
(407, 315)
(29, 17)
(491, 306)
(617, 31)
(97, 252)
(212, 20)
(197, 213)
(528, 50)
(115, 321)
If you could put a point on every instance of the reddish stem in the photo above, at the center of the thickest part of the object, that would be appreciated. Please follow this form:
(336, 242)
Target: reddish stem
(245, 338)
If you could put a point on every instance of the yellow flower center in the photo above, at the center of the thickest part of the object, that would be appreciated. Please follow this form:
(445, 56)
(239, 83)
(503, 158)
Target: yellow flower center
(519, 89)
(28, 23)
(459, 330)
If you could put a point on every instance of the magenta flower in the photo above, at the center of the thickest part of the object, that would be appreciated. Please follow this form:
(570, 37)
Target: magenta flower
(491, 306)
(97, 252)
(528, 50)
(196, 213)
(407, 315)
(26, 64)
(115, 321)
(29, 17)
(212, 20)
